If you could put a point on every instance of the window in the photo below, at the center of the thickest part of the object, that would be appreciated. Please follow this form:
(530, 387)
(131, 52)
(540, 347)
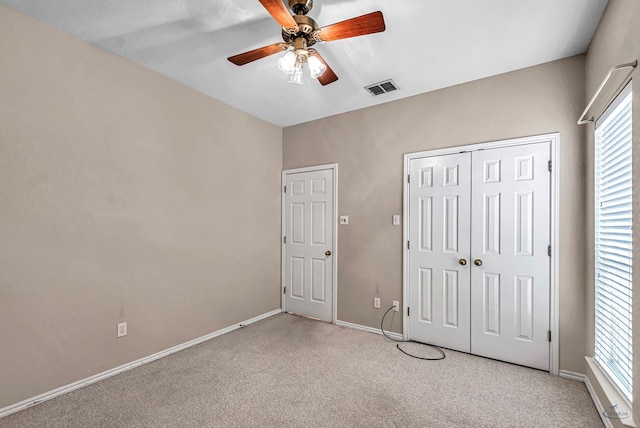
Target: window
(613, 252)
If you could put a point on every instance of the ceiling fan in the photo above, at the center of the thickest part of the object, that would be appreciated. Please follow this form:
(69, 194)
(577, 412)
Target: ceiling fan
(301, 32)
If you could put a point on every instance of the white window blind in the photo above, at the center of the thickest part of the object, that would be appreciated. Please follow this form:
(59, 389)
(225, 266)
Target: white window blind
(613, 251)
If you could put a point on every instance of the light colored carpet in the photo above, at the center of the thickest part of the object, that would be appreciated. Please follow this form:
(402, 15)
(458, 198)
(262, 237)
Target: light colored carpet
(288, 371)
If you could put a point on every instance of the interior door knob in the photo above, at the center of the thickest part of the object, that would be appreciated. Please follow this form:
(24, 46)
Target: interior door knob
(477, 262)
(463, 262)
(327, 253)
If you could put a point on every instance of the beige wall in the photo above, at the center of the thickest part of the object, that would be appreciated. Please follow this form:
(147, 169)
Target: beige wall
(369, 145)
(124, 197)
(617, 41)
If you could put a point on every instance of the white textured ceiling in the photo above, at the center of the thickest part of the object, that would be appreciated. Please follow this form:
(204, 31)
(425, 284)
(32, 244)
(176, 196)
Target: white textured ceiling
(428, 44)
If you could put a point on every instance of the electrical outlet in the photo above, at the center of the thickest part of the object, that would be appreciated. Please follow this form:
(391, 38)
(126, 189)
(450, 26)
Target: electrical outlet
(376, 302)
(344, 219)
(122, 329)
(396, 305)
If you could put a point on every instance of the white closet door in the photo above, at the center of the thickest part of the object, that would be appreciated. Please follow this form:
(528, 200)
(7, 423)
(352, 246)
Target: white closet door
(439, 239)
(510, 234)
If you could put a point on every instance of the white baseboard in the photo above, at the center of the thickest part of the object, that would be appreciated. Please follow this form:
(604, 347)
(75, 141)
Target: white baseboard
(572, 375)
(6, 411)
(369, 329)
(594, 397)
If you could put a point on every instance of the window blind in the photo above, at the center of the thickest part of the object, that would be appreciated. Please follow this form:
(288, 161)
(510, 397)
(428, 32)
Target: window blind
(613, 244)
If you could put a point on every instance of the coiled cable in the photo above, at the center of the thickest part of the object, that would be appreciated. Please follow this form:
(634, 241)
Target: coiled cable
(441, 357)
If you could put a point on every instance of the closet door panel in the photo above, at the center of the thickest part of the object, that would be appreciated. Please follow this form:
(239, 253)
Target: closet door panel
(439, 220)
(510, 234)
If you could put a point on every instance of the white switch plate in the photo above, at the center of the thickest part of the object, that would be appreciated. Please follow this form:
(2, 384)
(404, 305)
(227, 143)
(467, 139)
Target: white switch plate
(396, 220)
(122, 329)
(344, 219)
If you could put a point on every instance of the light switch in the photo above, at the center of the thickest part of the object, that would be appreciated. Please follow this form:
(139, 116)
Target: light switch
(396, 220)
(344, 219)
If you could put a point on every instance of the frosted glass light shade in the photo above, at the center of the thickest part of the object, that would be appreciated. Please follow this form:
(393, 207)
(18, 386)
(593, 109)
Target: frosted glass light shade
(296, 76)
(316, 67)
(287, 63)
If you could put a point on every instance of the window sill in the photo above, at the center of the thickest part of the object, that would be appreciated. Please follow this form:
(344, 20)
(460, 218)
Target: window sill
(622, 413)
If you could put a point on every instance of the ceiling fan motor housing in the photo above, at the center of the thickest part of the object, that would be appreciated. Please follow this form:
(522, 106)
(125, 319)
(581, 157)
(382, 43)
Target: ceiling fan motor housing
(300, 7)
(307, 27)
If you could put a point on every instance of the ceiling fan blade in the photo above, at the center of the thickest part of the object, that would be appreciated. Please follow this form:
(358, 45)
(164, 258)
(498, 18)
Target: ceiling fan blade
(247, 57)
(328, 76)
(366, 24)
(280, 13)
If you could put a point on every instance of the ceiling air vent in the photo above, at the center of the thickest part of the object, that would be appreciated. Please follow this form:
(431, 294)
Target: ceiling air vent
(381, 87)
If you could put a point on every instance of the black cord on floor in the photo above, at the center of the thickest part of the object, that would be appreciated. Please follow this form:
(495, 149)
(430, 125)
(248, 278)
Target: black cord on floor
(405, 352)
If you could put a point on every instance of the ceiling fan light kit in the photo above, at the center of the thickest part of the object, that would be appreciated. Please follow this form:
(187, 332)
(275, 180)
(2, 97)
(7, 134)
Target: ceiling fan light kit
(291, 63)
(300, 32)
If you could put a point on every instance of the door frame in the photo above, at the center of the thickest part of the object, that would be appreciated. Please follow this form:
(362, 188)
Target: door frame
(333, 167)
(554, 142)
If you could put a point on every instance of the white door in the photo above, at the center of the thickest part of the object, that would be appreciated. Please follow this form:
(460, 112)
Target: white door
(509, 240)
(439, 229)
(308, 244)
(479, 270)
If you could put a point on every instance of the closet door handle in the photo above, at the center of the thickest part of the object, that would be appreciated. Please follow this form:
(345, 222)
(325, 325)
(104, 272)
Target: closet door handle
(463, 262)
(477, 262)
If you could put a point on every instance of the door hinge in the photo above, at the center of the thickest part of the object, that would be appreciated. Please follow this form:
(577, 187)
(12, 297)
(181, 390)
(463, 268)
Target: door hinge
(285, 189)
(284, 290)
(408, 311)
(548, 335)
(284, 239)
(408, 245)
(549, 250)
(549, 165)
(408, 178)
